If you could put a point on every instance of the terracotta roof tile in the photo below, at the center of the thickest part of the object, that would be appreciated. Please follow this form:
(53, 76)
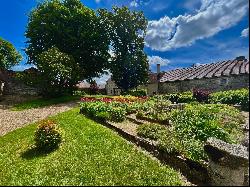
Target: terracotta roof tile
(224, 68)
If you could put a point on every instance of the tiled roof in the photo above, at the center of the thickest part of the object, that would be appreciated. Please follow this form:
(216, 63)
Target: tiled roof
(224, 68)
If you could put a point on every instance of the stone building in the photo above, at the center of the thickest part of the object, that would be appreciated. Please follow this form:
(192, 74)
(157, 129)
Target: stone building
(111, 87)
(152, 86)
(220, 76)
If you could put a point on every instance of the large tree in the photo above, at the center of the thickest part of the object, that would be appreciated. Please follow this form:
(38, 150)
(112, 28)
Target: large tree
(74, 30)
(127, 29)
(9, 56)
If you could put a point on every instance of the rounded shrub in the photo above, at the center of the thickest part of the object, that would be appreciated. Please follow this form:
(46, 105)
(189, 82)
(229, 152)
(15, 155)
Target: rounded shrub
(47, 135)
(117, 114)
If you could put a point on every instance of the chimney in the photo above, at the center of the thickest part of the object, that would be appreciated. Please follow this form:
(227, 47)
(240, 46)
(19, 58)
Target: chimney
(240, 58)
(158, 69)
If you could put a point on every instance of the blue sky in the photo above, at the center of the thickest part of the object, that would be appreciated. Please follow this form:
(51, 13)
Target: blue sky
(180, 32)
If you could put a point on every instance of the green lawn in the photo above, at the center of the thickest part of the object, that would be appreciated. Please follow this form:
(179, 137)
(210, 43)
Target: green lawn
(42, 102)
(90, 155)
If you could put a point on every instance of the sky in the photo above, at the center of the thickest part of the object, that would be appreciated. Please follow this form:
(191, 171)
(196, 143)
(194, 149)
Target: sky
(180, 33)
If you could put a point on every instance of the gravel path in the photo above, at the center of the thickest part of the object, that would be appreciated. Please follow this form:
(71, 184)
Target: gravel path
(11, 120)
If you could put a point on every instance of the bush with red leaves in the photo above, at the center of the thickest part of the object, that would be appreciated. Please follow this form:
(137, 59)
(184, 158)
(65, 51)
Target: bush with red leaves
(201, 95)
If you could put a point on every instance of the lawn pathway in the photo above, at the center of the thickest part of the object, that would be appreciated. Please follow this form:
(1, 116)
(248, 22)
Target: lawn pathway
(11, 120)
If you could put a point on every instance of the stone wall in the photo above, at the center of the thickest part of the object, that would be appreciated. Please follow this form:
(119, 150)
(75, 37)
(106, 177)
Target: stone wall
(151, 88)
(13, 87)
(228, 163)
(212, 84)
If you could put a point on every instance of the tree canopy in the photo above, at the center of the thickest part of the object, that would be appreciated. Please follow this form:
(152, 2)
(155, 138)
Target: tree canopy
(126, 30)
(56, 69)
(74, 30)
(9, 56)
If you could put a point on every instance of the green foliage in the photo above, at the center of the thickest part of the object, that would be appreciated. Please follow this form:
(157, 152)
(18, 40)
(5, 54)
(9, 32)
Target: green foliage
(8, 55)
(56, 71)
(47, 136)
(79, 93)
(193, 149)
(126, 30)
(117, 114)
(185, 97)
(203, 121)
(30, 79)
(169, 143)
(151, 131)
(232, 97)
(114, 111)
(195, 124)
(76, 31)
(136, 93)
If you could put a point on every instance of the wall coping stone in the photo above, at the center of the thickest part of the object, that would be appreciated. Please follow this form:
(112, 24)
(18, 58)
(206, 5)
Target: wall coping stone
(222, 153)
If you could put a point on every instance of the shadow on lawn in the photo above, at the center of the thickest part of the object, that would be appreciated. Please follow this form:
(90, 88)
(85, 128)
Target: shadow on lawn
(34, 152)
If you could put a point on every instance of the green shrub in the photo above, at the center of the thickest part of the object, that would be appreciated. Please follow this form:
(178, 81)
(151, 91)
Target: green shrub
(47, 135)
(137, 93)
(117, 114)
(114, 111)
(151, 131)
(185, 97)
(232, 97)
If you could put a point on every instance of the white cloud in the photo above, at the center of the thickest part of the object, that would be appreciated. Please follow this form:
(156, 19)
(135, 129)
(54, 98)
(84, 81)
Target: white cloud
(245, 32)
(97, 1)
(103, 78)
(212, 17)
(134, 3)
(158, 60)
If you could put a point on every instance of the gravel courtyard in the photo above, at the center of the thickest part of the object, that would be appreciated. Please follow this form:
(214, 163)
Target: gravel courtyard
(11, 120)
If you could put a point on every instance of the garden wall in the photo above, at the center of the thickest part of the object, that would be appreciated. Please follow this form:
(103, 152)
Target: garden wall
(212, 84)
(228, 163)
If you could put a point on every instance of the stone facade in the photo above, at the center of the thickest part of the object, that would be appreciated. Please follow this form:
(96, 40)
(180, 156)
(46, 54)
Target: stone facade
(111, 88)
(213, 84)
(152, 89)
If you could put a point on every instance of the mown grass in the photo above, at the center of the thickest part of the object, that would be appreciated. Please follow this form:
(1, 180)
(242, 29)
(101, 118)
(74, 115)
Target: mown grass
(90, 155)
(42, 102)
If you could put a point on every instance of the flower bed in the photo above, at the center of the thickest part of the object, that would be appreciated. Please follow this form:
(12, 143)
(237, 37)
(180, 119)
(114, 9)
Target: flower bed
(113, 109)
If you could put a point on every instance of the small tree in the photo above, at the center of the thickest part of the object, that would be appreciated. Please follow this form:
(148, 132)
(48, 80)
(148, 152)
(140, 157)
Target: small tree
(55, 68)
(8, 55)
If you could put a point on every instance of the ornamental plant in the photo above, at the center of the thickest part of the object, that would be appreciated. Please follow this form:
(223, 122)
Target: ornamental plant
(201, 95)
(47, 136)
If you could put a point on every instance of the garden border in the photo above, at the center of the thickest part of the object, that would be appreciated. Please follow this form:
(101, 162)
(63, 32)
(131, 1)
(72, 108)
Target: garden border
(193, 171)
